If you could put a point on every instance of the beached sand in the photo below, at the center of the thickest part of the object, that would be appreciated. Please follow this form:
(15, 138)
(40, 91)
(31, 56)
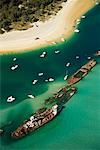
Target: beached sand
(61, 25)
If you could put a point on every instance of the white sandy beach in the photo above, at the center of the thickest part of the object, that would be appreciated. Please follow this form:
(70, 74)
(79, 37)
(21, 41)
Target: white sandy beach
(61, 25)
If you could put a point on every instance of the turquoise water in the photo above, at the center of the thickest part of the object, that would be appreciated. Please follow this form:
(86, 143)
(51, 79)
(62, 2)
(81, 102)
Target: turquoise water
(78, 126)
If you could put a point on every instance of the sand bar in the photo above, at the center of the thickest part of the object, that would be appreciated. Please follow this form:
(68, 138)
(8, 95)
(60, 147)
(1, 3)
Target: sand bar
(57, 27)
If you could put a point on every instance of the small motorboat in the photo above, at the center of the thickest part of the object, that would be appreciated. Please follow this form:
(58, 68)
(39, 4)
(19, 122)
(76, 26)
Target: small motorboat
(83, 17)
(89, 57)
(77, 57)
(40, 74)
(57, 52)
(78, 23)
(97, 3)
(62, 39)
(77, 30)
(66, 76)
(46, 80)
(50, 79)
(14, 67)
(78, 20)
(68, 64)
(31, 96)
(14, 59)
(35, 81)
(43, 55)
(10, 99)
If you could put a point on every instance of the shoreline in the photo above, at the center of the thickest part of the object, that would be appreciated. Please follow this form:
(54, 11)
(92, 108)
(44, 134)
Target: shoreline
(48, 32)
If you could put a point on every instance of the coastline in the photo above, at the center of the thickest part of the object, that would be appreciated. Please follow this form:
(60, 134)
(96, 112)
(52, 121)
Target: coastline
(83, 103)
(48, 32)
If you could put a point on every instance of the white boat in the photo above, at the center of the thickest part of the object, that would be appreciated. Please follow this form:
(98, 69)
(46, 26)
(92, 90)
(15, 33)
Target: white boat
(97, 3)
(83, 17)
(62, 39)
(77, 30)
(66, 76)
(78, 20)
(14, 67)
(51, 79)
(31, 96)
(43, 55)
(68, 64)
(46, 80)
(40, 74)
(35, 81)
(14, 59)
(77, 57)
(10, 99)
(89, 57)
(57, 52)
(78, 23)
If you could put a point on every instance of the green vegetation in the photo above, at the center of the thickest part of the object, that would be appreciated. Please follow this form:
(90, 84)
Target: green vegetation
(20, 14)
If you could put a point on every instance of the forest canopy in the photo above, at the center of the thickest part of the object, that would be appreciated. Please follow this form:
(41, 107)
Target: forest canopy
(20, 14)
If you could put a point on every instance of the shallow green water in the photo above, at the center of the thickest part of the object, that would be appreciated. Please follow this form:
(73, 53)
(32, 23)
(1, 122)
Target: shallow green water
(78, 126)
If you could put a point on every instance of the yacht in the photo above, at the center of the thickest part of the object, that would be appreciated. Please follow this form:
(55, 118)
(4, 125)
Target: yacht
(78, 23)
(51, 79)
(62, 39)
(14, 67)
(57, 52)
(46, 80)
(10, 99)
(77, 30)
(31, 96)
(35, 81)
(77, 57)
(67, 65)
(97, 3)
(83, 17)
(43, 55)
(14, 59)
(78, 20)
(66, 76)
(40, 74)
(89, 57)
